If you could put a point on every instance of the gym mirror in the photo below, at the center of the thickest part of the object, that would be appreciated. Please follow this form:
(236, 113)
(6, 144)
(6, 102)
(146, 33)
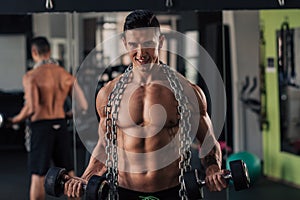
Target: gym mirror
(74, 35)
(288, 47)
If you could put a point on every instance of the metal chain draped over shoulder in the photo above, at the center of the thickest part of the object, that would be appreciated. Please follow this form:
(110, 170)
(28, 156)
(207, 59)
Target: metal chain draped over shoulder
(112, 110)
(184, 127)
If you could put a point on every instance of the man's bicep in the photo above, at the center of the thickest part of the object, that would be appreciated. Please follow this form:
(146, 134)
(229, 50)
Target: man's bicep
(204, 128)
(102, 100)
(202, 103)
(99, 154)
(101, 129)
(209, 148)
(202, 122)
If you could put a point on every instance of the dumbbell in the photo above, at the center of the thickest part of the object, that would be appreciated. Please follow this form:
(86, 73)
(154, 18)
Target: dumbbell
(97, 187)
(238, 174)
(3, 120)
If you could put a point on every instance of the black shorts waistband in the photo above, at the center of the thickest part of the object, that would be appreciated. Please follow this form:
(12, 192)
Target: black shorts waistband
(50, 121)
(167, 194)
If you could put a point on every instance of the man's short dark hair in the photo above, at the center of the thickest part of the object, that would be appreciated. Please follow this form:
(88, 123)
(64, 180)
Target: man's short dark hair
(42, 45)
(140, 19)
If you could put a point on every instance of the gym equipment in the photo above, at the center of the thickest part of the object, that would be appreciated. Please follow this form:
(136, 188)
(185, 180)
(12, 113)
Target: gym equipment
(3, 120)
(252, 104)
(249, 102)
(252, 161)
(264, 123)
(238, 174)
(97, 187)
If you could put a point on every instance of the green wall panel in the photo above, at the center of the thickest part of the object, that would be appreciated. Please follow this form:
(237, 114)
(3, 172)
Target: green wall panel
(277, 164)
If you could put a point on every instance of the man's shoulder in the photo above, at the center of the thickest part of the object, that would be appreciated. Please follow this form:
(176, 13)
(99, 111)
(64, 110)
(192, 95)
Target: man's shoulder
(58, 70)
(56, 67)
(105, 91)
(108, 87)
(29, 75)
(41, 73)
(62, 71)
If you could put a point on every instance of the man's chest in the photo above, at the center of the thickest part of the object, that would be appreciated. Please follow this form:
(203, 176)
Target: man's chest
(152, 104)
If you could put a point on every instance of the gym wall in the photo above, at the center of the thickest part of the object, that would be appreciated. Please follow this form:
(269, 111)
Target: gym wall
(277, 164)
(244, 46)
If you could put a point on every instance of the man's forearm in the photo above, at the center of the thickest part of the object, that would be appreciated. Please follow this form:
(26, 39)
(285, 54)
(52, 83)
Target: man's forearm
(214, 157)
(24, 113)
(95, 167)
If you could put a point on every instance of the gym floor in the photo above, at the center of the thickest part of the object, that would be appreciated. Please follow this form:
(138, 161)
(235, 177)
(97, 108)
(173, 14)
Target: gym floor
(14, 183)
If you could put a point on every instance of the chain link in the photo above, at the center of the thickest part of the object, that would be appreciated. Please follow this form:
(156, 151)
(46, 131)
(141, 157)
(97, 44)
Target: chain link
(112, 111)
(184, 127)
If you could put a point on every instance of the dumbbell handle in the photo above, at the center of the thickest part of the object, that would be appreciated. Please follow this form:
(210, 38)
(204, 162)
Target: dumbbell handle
(84, 186)
(202, 182)
(67, 177)
(4, 121)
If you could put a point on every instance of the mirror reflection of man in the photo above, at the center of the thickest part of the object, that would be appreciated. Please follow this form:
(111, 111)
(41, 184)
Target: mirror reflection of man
(46, 87)
(148, 120)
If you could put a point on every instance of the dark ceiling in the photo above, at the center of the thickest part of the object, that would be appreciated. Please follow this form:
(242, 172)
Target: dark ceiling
(30, 6)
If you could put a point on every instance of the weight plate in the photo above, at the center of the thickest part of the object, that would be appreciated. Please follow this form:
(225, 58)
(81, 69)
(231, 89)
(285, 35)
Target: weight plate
(193, 189)
(54, 184)
(97, 188)
(240, 176)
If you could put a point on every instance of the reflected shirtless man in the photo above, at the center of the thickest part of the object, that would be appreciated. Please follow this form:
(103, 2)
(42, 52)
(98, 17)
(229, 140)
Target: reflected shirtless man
(46, 88)
(147, 123)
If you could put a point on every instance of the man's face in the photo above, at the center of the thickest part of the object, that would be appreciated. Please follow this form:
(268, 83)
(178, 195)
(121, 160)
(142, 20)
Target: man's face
(143, 46)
